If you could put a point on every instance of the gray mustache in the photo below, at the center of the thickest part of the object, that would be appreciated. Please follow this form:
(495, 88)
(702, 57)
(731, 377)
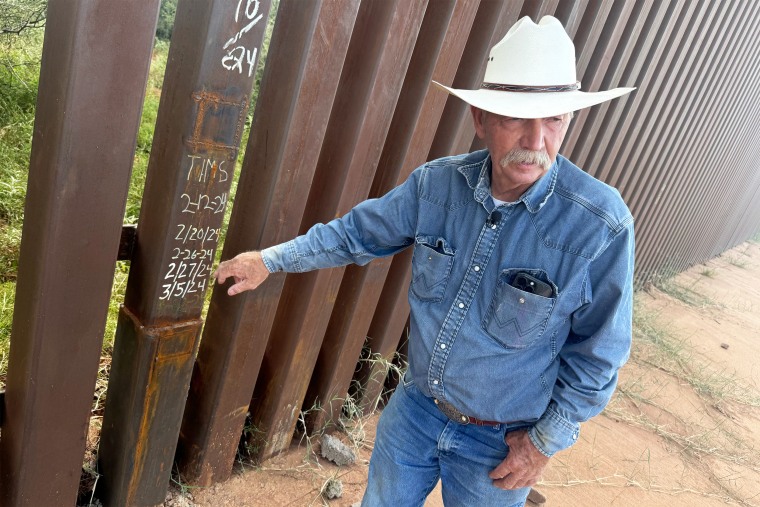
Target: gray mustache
(520, 156)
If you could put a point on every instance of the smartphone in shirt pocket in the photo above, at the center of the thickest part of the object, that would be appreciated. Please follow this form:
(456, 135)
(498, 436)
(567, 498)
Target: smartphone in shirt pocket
(520, 308)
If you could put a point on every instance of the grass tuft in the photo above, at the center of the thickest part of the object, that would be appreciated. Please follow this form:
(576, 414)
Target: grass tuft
(7, 296)
(735, 261)
(19, 76)
(673, 288)
(702, 436)
(708, 272)
(654, 344)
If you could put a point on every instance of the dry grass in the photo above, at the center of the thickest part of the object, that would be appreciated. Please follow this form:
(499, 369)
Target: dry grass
(703, 437)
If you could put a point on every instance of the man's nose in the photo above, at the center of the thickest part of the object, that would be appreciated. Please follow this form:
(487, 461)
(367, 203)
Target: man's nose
(533, 134)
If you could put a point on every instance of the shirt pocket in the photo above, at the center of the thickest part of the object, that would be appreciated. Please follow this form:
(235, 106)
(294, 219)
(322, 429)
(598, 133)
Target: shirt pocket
(431, 268)
(515, 318)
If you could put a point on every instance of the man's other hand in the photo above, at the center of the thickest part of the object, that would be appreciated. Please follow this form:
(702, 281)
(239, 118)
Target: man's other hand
(523, 465)
(247, 269)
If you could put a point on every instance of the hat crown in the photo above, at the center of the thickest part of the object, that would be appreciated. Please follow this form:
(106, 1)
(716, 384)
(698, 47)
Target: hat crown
(533, 55)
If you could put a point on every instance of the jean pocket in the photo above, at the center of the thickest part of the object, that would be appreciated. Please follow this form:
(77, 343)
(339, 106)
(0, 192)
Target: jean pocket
(431, 267)
(516, 319)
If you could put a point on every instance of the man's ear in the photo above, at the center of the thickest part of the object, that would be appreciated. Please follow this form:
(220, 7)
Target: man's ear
(478, 120)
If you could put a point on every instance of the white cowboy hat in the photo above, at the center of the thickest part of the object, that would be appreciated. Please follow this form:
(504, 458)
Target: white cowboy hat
(531, 74)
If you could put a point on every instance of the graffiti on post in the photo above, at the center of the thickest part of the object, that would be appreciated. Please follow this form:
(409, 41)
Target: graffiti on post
(206, 167)
(238, 56)
(192, 258)
(213, 148)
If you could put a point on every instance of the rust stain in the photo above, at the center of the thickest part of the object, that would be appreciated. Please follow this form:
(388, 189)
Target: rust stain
(172, 342)
(142, 441)
(207, 100)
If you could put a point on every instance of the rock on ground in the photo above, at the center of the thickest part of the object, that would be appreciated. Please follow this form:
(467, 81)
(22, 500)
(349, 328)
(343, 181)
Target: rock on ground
(333, 488)
(176, 498)
(336, 451)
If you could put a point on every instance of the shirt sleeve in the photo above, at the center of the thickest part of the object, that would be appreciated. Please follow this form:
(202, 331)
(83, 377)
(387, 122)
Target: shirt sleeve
(374, 228)
(598, 345)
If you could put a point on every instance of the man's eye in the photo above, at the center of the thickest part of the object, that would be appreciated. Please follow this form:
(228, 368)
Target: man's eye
(554, 122)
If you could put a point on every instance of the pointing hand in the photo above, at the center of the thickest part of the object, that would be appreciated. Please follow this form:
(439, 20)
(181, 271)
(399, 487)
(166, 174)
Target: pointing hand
(247, 269)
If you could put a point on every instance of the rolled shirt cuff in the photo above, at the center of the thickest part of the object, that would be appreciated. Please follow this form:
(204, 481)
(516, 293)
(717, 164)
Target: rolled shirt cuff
(279, 257)
(553, 433)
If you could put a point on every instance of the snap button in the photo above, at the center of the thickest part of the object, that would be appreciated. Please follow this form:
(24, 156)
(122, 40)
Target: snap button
(461, 305)
(435, 383)
(443, 345)
(493, 226)
(464, 418)
(522, 300)
(476, 268)
(435, 400)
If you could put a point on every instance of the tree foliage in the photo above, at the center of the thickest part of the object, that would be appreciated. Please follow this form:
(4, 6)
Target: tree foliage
(16, 16)
(166, 19)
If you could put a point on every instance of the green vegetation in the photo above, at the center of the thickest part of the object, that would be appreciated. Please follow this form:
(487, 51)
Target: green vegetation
(166, 19)
(19, 74)
(20, 58)
(134, 198)
(7, 294)
(19, 17)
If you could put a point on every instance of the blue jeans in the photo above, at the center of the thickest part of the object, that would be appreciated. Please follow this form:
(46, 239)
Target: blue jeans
(416, 445)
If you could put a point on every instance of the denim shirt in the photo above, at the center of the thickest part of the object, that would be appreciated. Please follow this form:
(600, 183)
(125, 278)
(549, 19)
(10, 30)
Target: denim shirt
(494, 351)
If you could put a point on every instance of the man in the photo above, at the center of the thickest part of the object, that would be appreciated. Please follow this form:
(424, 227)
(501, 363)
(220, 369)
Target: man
(521, 288)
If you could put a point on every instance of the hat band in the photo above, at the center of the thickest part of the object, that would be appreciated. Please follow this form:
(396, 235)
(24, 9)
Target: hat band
(531, 89)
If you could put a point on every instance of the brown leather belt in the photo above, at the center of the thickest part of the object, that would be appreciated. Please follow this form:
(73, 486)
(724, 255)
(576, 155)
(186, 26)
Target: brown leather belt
(455, 415)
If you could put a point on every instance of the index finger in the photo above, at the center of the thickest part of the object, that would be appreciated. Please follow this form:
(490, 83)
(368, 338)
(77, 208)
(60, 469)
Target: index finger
(222, 272)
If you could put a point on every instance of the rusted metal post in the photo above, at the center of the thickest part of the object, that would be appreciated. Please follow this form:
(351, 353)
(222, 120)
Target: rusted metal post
(607, 57)
(206, 93)
(455, 131)
(649, 25)
(377, 60)
(305, 58)
(436, 54)
(670, 106)
(95, 64)
(623, 69)
(730, 138)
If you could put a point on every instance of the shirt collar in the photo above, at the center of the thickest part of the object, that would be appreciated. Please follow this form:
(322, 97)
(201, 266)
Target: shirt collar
(479, 180)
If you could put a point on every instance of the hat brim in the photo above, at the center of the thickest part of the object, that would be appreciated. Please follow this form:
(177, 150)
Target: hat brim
(533, 105)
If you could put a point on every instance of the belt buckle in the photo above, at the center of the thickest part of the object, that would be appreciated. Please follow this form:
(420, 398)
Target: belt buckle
(451, 412)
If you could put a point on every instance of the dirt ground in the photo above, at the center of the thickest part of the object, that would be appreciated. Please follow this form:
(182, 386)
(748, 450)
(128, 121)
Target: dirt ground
(683, 428)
